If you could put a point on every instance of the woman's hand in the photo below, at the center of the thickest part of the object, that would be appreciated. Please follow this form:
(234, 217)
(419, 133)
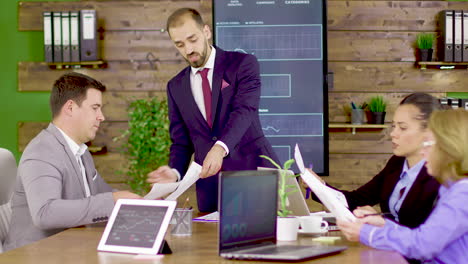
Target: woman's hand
(350, 230)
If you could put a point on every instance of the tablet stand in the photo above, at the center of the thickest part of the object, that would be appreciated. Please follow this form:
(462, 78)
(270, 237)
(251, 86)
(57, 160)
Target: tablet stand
(164, 249)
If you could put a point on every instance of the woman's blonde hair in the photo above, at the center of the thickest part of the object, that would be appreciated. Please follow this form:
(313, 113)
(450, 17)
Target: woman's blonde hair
(450, 129)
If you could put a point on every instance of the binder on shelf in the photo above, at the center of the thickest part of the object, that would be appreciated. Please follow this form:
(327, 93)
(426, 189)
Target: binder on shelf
(74, 36)
(454, 103)
(444, 102)
(88, 38)
(66, 55)
(464, 103)
(457, 36)
(465, 36)
(57, 25)
(446, 23)
(48, 47)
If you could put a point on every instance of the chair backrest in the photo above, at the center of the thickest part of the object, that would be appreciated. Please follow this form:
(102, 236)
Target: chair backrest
(7, 181)
(7, 175)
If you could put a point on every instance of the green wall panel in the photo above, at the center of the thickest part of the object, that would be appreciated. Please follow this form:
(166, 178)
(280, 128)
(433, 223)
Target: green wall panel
(18, 106)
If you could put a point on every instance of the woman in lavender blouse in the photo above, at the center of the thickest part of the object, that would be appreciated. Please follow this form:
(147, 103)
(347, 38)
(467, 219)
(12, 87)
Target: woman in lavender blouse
(443, 238)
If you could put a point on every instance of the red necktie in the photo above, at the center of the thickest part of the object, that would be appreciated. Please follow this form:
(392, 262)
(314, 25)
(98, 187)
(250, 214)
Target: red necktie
(206, 94)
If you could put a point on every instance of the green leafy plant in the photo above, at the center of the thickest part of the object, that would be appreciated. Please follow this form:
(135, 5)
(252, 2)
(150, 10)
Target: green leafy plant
(148, 141)
(425, 40)
(283, 188)
(377, 104)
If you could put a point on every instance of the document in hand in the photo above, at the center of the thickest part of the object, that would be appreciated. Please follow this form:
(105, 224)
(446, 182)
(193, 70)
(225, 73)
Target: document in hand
(332, 199)
(175, 189)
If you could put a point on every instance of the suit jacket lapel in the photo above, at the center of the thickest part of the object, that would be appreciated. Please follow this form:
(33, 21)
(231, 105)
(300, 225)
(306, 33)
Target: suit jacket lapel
(218, 73)
(54, 131)
(415, 190)
(90, 172)
(389, 185)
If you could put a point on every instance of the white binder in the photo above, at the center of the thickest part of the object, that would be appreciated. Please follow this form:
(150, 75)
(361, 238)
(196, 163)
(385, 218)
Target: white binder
(48, 46)
(88, 38)
(66, 55)
(446, 21)
(75, 36)
(457, 36)
(465, 36)
(57, 24)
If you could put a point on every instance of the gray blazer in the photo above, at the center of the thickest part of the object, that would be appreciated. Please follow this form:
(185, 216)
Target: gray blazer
(49, 193)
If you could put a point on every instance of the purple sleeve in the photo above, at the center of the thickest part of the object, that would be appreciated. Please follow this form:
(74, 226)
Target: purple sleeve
(432, 237)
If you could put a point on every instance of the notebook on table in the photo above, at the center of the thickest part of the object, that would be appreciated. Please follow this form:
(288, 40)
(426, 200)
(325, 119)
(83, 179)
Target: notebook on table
(247, 223)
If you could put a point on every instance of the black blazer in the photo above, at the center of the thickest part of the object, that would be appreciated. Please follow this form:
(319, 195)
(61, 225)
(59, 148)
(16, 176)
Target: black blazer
(418, 203)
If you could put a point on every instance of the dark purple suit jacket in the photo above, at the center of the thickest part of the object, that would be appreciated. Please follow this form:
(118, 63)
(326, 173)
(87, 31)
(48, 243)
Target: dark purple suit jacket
(418, 203)
(235, 122)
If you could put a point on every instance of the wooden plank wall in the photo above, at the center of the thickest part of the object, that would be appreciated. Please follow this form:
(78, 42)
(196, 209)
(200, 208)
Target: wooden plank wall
(371, 51)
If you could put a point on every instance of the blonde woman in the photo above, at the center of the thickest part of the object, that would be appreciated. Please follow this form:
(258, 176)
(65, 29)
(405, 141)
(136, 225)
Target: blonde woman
(443, 238)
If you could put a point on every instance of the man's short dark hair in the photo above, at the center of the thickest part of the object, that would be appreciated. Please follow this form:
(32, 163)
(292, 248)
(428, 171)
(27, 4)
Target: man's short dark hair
(176, 19)
(71, 86)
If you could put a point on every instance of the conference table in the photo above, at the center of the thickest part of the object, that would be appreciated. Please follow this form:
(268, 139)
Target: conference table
(78, 245)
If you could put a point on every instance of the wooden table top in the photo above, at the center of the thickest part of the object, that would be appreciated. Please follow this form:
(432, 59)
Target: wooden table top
(79, 245)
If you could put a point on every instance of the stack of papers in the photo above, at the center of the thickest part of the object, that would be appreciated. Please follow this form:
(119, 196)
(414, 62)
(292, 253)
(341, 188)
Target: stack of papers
(213, 217)
(175, 189)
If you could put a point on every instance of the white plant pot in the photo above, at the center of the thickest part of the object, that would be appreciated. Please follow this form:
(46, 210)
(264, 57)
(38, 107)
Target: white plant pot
(287, 228)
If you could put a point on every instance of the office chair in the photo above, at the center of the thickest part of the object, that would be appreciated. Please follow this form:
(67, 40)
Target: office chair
(7, 180)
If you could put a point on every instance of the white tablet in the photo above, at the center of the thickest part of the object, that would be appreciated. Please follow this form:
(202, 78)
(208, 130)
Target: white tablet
(137, 226)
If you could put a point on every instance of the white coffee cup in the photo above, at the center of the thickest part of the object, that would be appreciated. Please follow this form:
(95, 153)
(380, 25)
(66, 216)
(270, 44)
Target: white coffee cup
(313, 224)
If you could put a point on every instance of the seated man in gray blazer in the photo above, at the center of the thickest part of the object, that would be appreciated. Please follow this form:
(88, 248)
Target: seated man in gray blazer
(58, 186)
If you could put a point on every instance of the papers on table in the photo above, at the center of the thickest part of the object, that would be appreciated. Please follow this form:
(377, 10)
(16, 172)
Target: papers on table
(332, 199)
(175, 189)
(213, 217)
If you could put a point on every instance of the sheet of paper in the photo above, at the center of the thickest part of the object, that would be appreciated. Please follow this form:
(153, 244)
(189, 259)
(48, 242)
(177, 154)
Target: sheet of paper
(339, 195)
(160, 190)
(327, 195)
(299, 160)
(213, 217)
(328, 198)
(192, 175)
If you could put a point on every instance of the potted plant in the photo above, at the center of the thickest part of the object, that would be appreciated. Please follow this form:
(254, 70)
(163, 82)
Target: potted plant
(424, 41)
(376, 107)
(148, 141)
(287, 225)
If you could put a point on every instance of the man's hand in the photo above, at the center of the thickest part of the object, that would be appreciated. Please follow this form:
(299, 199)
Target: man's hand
(213, 161)
(163, 174)
(125, 195)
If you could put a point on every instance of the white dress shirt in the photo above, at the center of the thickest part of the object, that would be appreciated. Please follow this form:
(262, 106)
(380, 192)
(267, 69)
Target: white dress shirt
(78, 151)
(197, 90)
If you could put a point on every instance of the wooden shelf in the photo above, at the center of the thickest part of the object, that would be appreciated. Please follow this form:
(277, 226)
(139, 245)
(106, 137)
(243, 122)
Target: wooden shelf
(355, 126)
(442, 65)
(77, 65)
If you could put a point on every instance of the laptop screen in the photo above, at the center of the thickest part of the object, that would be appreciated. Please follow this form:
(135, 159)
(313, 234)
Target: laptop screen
(247, 207)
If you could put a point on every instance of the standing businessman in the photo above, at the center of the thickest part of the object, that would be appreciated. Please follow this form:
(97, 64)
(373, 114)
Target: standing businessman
(213, 110)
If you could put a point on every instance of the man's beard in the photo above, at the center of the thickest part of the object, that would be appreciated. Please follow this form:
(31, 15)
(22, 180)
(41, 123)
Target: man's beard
(201, 61)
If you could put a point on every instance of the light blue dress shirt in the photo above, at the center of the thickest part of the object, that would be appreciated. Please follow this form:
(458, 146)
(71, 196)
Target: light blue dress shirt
(407, 178)
(443, 238)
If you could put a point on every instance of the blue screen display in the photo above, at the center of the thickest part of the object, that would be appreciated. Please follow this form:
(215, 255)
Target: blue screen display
(289, 40)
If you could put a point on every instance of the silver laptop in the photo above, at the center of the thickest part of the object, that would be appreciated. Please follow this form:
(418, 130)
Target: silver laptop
(295, 202)
(247, 220)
